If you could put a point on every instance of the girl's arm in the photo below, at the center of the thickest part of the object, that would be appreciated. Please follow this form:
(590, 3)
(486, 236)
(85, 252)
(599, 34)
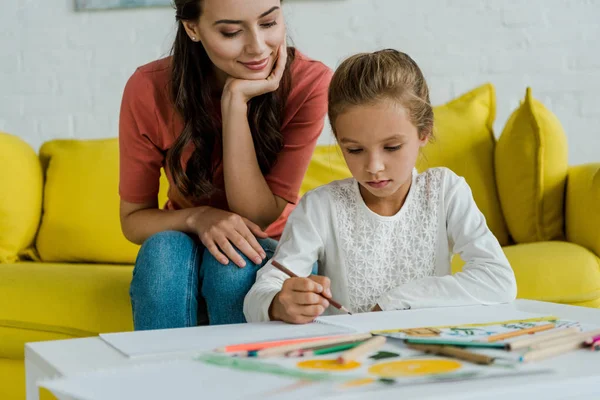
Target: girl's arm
(250, 194)
(300, 246)
(487, 276)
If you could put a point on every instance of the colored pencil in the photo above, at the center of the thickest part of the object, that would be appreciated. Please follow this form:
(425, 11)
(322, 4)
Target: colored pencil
(458, 343)
(508, 335)
(297, 353)
(282, 350)
(370, 345)
(541, 354)
(234, 348)
(542, 337)
(593, 339)
(579, 337)
(293, 275)
(455, 352)
(325, 350)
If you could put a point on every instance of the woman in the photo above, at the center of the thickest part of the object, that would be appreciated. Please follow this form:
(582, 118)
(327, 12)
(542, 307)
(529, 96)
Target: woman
(233, 116)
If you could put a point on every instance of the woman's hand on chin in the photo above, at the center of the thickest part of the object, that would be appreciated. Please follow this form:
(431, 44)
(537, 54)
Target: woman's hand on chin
(242, 90)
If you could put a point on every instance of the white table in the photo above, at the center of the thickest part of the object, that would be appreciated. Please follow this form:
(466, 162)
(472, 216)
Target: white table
(578, 373)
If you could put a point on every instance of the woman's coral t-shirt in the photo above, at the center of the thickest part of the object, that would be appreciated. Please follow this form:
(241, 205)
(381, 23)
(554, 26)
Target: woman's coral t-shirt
(149, 125)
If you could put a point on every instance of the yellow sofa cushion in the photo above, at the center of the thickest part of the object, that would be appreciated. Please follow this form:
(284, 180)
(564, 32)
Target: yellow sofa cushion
(464, 143)
(582, 208)
(531, 172)
(81, 203)
(46, 301)
(558, 272)
(21, 184)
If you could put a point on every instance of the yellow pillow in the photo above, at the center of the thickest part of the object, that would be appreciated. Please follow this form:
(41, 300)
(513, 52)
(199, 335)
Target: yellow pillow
(464, 143)
(81, 203)
(531, 172)
(21, 183)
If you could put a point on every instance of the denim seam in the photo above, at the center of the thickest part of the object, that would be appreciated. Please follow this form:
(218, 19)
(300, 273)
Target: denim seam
(192, 270)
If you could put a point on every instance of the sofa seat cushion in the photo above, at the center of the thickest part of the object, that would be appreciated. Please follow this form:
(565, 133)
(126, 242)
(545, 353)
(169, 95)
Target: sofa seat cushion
(558, 272)
(45, 301)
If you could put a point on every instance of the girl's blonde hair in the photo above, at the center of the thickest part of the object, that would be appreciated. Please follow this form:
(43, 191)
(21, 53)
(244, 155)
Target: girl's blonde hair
(367, 78)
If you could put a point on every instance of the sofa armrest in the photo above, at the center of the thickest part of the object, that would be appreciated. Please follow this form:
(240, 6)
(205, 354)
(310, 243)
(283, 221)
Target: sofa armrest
(582, 214)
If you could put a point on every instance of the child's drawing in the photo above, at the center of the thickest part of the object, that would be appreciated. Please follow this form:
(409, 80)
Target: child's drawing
(393, 364)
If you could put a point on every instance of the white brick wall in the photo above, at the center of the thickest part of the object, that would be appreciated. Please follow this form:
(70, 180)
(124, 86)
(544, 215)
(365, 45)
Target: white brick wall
(62, 73)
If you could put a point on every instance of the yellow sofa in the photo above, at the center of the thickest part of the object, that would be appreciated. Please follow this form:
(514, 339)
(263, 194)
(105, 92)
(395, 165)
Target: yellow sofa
(65, 267)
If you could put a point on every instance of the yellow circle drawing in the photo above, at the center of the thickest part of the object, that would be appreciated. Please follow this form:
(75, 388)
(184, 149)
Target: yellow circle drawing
(395, 369)
(328, 365)
(358, 383)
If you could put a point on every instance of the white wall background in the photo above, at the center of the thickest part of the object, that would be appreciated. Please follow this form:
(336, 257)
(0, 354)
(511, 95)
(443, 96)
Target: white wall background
(62, 72)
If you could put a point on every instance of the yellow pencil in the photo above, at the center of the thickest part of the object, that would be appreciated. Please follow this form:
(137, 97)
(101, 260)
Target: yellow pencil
(543, 337)
(502, 336)
(359, 351)
(579, 337)
(540, 354)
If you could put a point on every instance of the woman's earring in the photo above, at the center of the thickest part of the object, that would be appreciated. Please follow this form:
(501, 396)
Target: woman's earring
(194, 38)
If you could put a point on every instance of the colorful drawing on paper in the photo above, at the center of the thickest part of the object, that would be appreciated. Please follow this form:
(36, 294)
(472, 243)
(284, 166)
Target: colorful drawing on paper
(414, 367)
(327, 365)
(393, 364)
(473, 332)
(107, 4)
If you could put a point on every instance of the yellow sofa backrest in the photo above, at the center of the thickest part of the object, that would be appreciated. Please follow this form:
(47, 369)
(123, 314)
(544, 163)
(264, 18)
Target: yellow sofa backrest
(80, 221)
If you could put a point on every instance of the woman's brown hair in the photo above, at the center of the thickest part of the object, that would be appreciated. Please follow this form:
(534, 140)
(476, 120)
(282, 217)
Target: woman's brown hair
(367, 78)
(191, 92)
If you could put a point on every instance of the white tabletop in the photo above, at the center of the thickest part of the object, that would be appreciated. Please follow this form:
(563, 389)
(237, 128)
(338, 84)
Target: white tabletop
(580, 368)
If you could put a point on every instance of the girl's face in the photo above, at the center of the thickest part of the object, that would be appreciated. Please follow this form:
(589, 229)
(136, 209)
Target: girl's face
(380, 145)
(241, 37)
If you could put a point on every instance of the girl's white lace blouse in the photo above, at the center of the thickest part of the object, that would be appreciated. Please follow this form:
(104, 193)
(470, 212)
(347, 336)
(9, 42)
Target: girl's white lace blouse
(398, 262)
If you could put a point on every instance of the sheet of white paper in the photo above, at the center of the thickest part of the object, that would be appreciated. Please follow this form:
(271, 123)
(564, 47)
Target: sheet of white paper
(185, 340)
(181, 380)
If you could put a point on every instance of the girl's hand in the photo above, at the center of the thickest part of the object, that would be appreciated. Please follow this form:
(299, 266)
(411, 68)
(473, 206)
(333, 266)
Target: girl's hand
(244, 90)
(300, 300)
(220, 230)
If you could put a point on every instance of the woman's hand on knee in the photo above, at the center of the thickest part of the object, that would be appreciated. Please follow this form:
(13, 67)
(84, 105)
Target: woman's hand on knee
(221, 230)
(299, 301)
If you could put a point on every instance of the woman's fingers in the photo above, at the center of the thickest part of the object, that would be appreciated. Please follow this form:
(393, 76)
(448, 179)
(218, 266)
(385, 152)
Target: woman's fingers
(247, 244)
(255, 229)
(226, 247)
(214, 250)
(277, 72)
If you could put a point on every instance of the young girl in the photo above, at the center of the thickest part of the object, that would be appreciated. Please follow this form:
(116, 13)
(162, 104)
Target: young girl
(233, 116)
(384, 238)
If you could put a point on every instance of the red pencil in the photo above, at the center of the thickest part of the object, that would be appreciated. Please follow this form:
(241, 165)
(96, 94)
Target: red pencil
(293, 275)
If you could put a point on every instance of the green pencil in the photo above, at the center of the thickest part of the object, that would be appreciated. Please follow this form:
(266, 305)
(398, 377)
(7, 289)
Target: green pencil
(326, 350)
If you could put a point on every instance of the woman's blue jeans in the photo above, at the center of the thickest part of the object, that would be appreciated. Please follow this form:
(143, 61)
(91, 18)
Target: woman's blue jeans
(177, 283)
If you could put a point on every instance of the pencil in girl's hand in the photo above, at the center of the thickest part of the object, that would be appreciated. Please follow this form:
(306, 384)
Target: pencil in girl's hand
(293, 275)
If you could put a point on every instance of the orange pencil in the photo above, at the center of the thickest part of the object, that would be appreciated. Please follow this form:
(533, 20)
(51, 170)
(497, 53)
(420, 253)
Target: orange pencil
(502, 336)
(234, 348)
